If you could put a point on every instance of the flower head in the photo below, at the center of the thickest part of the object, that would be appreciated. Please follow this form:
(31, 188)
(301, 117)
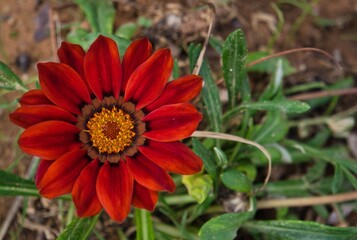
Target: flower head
(108, 132)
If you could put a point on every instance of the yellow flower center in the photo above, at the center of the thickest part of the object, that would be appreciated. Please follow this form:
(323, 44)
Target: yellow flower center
(111, 131)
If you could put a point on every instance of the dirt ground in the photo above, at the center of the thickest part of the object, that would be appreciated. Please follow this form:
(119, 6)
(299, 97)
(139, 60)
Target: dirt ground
(25, 39)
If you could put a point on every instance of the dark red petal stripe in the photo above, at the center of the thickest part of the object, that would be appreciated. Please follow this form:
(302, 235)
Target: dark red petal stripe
(148, 80)
(137, 53)
(49, 140)
(181, 90)
(172, 122)
(175, 157)
(102, 67)
(115, 186)
(84, 192)
(144, 198)
(149, 174)
(34, 97)
(30, 115)
(62, 174)
(63, 86)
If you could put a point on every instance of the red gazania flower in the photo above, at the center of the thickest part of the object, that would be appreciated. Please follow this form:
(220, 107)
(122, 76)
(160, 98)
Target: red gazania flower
(109, 132)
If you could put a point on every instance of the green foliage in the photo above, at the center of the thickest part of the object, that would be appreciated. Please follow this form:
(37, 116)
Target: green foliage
(297, 230)
(225, 226)
(9, 80)
(144, 227)
(234, 57)
(79, 229)
(99, 14)
(13, 185)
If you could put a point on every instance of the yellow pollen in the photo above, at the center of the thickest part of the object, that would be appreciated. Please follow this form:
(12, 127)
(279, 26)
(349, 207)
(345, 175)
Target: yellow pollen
(111, 131)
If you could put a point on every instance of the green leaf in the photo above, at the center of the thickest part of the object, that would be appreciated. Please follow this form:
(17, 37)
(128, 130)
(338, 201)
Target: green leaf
(221, 158)
(9, 80)
(79, 229)
(217, 44)
(337, 179)
(224, 226)
(144, 227)
(209, 93)
(298, 230)
(100, 14)
(236, 180)
(144, 22)
(206, 156)
(127, 30)
(287, 106)
(269, 66)
(274, 89)
(234, 57)
(199, 186)
(13, 185)
(274, 128)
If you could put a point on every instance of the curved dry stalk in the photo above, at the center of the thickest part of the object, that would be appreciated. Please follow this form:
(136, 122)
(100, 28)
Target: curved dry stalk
(283, 53)
(198, 65)
(224, 136)
(327, 93)
(306, 201)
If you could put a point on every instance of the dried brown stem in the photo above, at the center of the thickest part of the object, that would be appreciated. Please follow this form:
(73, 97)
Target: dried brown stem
(320, 94)
(306, 201)
(198, 65)
(307, 49)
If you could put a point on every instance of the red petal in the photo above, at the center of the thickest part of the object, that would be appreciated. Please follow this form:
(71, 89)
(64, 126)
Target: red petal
(61, 175)
(149, 174)
(102, 67)
(115, 186)
(175, 157)
(30, 115)
(148, 80)
(41, 170)
(144, 198)
(63, 86)
(34, 97)
(49, 140)
(83, 192)
(137, 53)
(172, 122)
(73, 55)
(181, 90)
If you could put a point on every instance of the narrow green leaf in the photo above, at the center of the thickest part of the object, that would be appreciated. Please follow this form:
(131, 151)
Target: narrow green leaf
(100, 14)
(337, 179)
(287, 106)
(221, 158)
(274, 128)
(234, 57)
(236, 180)
(13, 185)
(298, 230)
(217, 44)
(79, 229)
(9, 80)
(209, 93)
(127, 30)
(144, 227)
(206, 156)
(224, 226)
(351, 178)
(274, 88)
